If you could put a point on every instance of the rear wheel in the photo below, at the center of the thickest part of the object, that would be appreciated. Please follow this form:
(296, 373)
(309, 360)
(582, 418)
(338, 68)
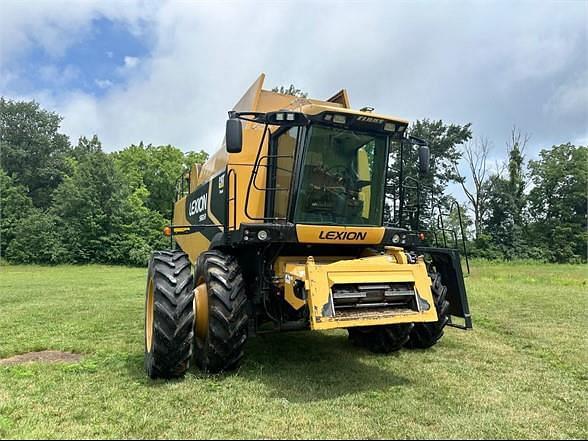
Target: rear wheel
(425, 335)
(169, 315)
(221, 312)
(380, 339)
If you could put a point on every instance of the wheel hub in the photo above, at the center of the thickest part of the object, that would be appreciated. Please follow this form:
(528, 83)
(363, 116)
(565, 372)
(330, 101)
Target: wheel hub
(149, 306)
(201, 311)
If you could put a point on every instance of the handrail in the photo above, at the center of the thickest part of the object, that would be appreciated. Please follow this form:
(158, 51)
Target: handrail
(465, 251)
(230, 199)
(252, 178)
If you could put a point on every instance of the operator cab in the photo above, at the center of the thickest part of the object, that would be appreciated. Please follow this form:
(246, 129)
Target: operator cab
(325, 168)
(341, 180)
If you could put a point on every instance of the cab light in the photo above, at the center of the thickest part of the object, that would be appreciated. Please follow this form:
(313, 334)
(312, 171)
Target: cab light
(390, 127)
(339, 119)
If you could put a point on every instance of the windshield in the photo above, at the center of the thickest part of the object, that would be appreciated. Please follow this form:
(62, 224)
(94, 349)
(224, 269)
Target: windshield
(342, 180)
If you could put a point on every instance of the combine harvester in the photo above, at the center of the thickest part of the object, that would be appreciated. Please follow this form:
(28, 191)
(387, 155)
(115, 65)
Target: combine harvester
(283, 229)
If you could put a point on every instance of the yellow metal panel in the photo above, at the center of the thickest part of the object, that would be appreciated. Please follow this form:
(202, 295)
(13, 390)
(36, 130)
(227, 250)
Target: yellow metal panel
(339, 235)
(195, 176)
(342, 98)
(192, 244)
(363, 168)
(292, 273)
(370, 277)
(250, 100)
(320, 279)
(257, 99)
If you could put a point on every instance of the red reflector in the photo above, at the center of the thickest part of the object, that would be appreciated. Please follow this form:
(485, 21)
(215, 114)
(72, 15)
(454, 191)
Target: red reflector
(421, 236)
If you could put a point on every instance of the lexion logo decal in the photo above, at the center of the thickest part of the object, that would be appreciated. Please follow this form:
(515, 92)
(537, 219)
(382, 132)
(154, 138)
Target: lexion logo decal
(199, 206)
(343, 235)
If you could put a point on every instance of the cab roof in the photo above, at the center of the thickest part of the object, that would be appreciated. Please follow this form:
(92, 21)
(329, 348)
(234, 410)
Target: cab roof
(257, 99)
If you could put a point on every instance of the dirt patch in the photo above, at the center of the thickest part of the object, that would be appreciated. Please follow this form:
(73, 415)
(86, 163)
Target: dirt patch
(42, 357)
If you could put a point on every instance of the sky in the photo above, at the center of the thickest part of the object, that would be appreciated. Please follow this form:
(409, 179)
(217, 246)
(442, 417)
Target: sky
(168, 72)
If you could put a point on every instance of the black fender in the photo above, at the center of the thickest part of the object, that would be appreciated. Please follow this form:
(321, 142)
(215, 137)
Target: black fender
(448, 264)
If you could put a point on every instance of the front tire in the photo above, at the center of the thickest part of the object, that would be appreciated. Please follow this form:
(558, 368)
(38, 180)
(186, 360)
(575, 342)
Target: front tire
(169, 315)
(425, 335)
(380, 339)
(221, 329)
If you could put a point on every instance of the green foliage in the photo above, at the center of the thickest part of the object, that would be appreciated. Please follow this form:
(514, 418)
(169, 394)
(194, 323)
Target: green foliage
(506, 202)
(14, 206)
(37, 239)
(141, 231)
(63, 204)
(156, 168)
(558, 202)
(104, 218)
(90, 203)
(444, 141)
(32, 151)
(290, 90)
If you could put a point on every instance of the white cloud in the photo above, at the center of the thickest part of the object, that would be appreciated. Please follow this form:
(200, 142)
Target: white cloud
(493, 64)
(59, 24)
(131, 62)
(570, 100)
(58, 75)
(103, 84)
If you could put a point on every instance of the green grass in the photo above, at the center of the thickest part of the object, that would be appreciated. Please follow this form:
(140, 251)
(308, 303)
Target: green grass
(521, 373)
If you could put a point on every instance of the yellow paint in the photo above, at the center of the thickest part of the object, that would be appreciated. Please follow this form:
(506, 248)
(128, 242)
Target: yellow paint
(290, 268)
(192, 244)
(339, 235)
(240, 166)
(321, 274)
(319, 279)
(398, 254)
(201, 310)
(149, 314)
(363, 169)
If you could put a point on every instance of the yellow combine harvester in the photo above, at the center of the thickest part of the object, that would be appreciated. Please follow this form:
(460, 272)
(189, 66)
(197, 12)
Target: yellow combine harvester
(283, 229)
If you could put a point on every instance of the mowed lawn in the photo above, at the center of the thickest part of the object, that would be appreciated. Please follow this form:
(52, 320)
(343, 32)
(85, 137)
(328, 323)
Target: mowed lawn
(522, 372)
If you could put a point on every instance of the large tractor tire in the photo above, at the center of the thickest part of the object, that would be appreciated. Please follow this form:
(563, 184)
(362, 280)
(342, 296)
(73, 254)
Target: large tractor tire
(221, 312)
(169, 315)
(380, 339)
(425, 335)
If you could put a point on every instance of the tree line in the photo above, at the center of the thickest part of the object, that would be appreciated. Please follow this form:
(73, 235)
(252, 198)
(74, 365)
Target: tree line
(63, 203)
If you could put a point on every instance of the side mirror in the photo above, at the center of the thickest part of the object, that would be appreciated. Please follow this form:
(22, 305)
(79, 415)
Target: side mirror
(424, 159)
(234, 135)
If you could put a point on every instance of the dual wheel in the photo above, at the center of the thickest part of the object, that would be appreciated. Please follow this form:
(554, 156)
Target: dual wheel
(204, 316)
(207, 324)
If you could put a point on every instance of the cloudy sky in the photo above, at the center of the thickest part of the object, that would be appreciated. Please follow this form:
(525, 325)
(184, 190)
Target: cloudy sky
(168, 72)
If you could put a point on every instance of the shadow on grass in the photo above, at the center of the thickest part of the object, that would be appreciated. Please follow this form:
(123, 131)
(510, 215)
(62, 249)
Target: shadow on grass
(300, 367)
(311, 366)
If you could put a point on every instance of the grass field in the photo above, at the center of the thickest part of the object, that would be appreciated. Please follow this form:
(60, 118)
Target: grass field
(521, 373)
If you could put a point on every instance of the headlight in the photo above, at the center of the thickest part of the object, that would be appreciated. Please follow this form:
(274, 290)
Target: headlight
(262, 235)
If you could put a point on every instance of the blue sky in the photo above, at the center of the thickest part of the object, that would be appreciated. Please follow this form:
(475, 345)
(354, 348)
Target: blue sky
(167, 72)
(93, 64)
